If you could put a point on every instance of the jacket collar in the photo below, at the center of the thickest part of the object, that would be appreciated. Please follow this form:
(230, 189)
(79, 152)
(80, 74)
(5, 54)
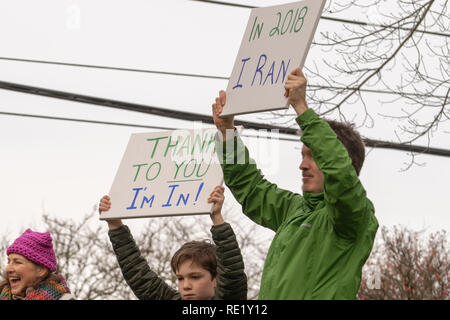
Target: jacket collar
(313, 199)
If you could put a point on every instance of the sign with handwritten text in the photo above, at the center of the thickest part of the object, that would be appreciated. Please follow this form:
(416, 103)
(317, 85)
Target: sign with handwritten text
(275, 42)
(166, 174)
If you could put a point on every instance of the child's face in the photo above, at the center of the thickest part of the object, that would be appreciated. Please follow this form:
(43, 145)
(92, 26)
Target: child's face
(194, 282)
(22, 273)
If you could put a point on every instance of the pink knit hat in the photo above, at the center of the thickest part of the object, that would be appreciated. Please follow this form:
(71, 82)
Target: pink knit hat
(35, 246)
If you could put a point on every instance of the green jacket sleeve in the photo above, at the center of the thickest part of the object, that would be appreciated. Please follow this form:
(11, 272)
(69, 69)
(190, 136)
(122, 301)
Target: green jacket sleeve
(145, 283)
(261, 200)
(231, 278)
(344, 194)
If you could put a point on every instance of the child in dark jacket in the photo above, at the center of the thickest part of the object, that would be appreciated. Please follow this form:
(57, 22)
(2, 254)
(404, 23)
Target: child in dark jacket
(199, 266)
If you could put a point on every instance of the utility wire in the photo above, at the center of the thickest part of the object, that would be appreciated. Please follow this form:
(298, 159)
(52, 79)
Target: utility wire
(211, 77)
(114, 68)
(189, 116)
(26, 115)
(157, 111)
(362, 23)
(83, 120)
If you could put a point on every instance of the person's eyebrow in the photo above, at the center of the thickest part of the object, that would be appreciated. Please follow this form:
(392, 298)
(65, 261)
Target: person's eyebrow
(194, 273)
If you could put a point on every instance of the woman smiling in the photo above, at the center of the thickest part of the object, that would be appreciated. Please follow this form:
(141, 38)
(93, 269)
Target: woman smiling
(31, 270)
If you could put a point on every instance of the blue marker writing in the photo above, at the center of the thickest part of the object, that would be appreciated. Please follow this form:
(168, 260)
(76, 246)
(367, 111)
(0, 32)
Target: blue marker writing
(198, 192)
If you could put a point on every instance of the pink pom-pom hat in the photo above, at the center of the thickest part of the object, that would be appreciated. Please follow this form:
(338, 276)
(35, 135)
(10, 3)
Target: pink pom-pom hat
(36, 247)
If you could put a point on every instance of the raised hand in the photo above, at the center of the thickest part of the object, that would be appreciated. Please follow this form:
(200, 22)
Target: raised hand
(105, 205)
(296, 91)
(222, 123)
(217, 197)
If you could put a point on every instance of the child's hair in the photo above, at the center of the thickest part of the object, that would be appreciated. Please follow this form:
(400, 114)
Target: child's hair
(351, 140)
(203, 253)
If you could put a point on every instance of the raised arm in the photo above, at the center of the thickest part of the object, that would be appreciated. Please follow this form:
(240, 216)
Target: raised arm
(344, 194)
(231, 278)
(144, 282)
(261, 200)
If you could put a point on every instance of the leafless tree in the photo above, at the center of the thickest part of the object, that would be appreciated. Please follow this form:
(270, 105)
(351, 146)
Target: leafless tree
(392, 64)
(85, 259)
(407, 266)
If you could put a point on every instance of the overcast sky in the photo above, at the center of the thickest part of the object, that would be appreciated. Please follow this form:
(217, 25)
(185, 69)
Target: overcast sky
(63, 168)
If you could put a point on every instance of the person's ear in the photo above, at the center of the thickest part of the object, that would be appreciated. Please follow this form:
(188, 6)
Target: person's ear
(42, 272)
(215, 282)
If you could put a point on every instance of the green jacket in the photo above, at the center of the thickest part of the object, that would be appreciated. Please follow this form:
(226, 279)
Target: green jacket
(147, 285)
(322, 240)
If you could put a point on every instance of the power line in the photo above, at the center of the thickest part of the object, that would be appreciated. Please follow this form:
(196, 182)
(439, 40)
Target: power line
(114, 68)
(189, 116)
(157, 111)
(362, 23)
(83, 120)
(26, 115)
(211, 77)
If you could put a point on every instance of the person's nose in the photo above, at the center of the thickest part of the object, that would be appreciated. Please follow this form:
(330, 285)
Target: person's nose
(9, 269)
(187, 284)
(303, 165)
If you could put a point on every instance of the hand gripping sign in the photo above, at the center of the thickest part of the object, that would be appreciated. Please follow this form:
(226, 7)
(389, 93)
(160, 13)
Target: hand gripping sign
(275, 42)
(165, 174)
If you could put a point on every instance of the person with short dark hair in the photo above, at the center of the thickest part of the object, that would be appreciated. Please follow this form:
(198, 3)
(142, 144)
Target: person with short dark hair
(31, 272)
(323, 236)
(204, 271)
(202, 252)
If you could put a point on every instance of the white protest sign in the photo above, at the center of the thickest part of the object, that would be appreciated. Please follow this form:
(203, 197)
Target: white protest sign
(166, 174)
(275, 42)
